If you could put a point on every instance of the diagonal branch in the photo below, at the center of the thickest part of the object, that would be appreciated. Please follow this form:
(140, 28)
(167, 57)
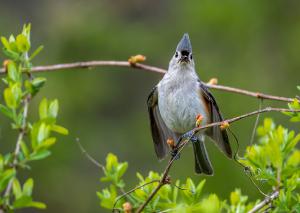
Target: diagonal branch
(92, 64)
(265, 202)
(165, 178)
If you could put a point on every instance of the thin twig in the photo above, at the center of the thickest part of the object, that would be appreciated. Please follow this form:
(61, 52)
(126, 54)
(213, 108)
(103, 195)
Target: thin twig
(256, 123)
(89, 156)
(132, 190)
(249, 93)
(92, 64)
(265, 202)
(19, 141)
(164, 179)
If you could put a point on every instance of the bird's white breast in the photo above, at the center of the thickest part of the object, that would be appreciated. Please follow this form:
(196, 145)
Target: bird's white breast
(179, 101)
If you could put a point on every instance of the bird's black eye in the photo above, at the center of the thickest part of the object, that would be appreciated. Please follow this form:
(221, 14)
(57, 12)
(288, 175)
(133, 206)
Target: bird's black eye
(191, 56)
(176, 54)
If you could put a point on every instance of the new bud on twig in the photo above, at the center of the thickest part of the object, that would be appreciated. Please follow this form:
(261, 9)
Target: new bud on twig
(199, 119)
(127, 207)
(136, 59)
(213, 81)
(5, 64)
(171, 143)
(167, 180)
(224, 125)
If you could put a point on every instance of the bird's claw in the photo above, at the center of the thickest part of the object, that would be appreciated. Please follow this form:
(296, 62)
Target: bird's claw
(175, 154)
(193, 138)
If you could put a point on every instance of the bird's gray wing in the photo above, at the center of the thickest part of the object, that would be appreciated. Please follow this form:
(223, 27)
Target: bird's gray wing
(219, 136)
(160, 132)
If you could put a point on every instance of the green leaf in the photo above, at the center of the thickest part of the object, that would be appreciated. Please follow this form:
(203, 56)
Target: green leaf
(33, 135)
(140, 177)
(17, 188)
(24, 149)
(1, 163)
(295, 119)
(11, 54)
(108, 197)
(9, 98)
(12, 72)
(36, 52)
(26, 201)
(11, 39)
(121, 169)
(5, 177)
(294, 159)
(43, 132)
(210, 204)
(53, 109)
(234, 197)
(60, 129)
(22, 202)
(43, 109)
(38, 155)
(5, 42)
(47, 143)
(38, 205)
(22, 43)
(27, 187)
(35, 85)
(111, 161)
(175, 191)
(13, 95)
(267, 127)
(38, 82)
(6, 111)
(199, 189)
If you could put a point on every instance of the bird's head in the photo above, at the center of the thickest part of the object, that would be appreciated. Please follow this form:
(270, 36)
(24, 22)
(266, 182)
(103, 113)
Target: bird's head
(183, 57)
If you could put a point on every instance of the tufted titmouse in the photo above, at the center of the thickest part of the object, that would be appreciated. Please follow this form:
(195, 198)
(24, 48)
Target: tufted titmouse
(175, 103)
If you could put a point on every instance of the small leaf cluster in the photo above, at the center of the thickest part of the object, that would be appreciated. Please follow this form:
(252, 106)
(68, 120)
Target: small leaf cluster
(113, 173)
(239, 203)
(274, 161)
(294, 105)
(185, 197)
(33, 139)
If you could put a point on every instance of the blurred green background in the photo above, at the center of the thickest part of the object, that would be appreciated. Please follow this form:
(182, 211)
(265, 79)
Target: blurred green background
(253, 45)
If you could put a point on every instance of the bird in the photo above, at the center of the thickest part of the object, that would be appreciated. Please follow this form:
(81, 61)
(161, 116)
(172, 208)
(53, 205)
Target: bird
(176, 101)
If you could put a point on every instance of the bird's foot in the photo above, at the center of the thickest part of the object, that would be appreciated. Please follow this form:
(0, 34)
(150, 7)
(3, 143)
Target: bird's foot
(175, 154)
(190, 135)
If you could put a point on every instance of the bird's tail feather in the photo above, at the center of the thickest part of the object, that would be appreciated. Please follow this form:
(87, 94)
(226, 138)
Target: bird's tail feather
(202, 162)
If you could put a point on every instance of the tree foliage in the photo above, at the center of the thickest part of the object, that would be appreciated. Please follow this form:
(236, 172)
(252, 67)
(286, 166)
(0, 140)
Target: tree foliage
(274, 162)
(34, 138)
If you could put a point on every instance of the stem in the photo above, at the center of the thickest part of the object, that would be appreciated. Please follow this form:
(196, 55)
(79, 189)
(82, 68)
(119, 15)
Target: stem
(19, 141)
(92, 64)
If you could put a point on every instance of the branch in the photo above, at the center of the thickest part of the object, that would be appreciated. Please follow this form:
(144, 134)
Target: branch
(92, 64)
(265, 202)
(19, 141)
(165, 179)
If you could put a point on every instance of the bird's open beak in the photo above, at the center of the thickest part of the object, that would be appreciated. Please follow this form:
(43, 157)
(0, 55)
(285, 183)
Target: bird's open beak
(184, 59)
